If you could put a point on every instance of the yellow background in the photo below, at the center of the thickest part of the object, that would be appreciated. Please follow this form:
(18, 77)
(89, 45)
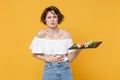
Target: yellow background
(97, 20)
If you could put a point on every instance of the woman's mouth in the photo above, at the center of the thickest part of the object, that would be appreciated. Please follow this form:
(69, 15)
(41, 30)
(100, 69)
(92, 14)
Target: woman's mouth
(52, 23)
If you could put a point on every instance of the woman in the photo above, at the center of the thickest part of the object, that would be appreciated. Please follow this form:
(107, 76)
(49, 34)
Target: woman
(51, 45)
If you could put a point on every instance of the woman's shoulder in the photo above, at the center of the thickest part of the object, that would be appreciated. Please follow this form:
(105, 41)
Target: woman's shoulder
(41, 33)
(66, 34)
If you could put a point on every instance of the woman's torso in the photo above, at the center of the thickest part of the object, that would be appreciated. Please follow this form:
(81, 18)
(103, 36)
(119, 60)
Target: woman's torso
(55, 44)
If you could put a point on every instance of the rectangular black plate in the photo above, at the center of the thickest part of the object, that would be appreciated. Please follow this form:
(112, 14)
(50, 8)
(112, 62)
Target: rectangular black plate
(95, 45)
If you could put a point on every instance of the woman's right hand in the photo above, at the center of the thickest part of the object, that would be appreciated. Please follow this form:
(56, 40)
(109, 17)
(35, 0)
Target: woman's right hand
(54, 58)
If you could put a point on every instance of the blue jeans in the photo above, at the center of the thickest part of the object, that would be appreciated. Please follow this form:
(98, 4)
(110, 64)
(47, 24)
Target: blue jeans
(57, 71)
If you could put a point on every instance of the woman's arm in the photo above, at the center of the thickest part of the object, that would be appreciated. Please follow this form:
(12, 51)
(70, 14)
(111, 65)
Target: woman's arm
(40, 57)
(73, 55)
(48, 59)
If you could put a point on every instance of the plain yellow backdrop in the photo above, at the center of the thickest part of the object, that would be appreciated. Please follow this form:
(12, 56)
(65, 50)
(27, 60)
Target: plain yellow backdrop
(97, 20)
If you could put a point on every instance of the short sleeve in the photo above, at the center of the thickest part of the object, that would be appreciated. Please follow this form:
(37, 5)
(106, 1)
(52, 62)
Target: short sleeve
(70, 43)
(36, 45)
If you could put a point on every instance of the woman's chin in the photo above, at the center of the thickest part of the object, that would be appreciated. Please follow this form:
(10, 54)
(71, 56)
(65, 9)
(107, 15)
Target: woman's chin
(52, 27)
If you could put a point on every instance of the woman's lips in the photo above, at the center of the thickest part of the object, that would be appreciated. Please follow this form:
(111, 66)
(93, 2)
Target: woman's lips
(52, 23)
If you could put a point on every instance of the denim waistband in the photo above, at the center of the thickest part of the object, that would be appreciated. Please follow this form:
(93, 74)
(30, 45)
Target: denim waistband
(56, 63)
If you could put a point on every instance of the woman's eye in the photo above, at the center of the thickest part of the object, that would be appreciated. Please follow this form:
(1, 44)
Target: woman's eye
(55, 16)
(49, 17)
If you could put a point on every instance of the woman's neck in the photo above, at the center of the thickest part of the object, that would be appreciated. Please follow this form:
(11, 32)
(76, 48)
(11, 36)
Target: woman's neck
(53, 33)
(53, 30)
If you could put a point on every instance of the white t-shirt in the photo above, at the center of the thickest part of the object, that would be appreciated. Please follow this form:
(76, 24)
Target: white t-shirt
(51, 46)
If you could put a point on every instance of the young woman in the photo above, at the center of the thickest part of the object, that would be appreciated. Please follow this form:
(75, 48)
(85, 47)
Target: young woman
(51, 45)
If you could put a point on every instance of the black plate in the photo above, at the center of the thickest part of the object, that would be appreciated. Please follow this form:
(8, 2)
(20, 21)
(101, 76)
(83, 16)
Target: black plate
(95, 45)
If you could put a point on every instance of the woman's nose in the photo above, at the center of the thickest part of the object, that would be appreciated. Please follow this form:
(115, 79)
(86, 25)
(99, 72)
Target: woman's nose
(52, 18)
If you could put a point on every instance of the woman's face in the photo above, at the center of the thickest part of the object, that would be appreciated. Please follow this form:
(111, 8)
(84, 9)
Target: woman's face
(51, 19)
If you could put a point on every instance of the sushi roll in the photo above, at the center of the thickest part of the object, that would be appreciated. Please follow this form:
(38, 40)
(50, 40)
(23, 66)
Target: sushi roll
(78, 45)
(89, 43)
(86, 44)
